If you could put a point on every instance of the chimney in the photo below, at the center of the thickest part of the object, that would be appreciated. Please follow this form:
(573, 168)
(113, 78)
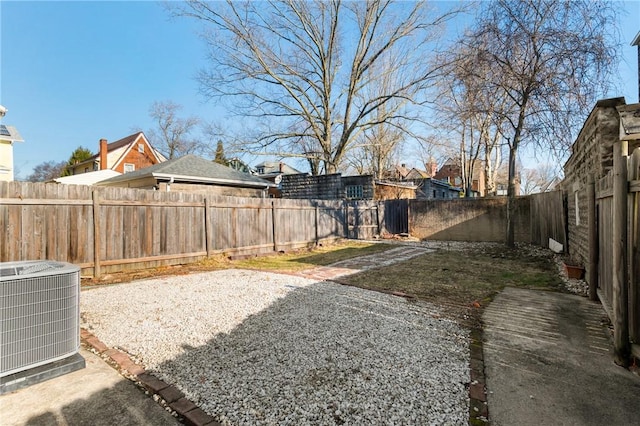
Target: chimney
(281, 167)
(103, 154)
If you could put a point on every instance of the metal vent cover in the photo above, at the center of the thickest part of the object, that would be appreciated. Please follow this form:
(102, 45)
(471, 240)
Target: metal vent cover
(39, 314)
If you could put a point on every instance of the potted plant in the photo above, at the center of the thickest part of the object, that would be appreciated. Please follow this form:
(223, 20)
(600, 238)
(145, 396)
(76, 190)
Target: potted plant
(573, 268)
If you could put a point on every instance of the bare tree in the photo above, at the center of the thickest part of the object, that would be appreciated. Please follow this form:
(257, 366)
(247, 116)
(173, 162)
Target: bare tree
(305, 66)
(538, 179)
(47, 171)
(549, 60)
(468, 107)
(173, 135)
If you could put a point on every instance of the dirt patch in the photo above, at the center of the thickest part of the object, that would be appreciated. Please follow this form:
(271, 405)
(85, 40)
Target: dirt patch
(463, 282)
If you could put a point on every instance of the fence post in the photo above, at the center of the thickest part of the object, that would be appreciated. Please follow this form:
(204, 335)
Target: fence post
(378, 218)
(620, 274)
(234, 226)
(96, 234)
(593, 240)
(207, 226)
(273, 225)
(346, 219)
(409, 217)
(316, 223)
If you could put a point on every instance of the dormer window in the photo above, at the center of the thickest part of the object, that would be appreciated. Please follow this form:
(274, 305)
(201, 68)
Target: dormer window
(141, 148)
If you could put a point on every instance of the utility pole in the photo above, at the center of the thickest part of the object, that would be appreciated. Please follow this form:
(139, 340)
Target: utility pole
(636, 42)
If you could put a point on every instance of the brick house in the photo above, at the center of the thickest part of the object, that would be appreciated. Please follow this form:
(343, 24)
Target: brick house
(451, 173)
(128, 154)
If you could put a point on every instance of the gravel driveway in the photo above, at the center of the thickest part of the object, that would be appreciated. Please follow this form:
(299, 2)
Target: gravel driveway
(262, 348)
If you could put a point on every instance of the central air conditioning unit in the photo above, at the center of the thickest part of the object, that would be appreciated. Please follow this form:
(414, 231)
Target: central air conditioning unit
(39, 322)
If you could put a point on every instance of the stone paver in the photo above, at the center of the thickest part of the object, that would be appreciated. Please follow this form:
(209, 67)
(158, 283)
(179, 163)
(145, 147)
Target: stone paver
(363, 263)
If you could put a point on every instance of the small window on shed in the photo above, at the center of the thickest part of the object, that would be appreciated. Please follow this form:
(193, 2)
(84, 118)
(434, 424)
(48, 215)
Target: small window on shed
(141, 148)
(434, 194)
(354, 191)
(128, 167)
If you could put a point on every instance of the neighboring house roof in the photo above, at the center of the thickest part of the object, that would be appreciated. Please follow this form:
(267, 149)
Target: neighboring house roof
(10, 134)
(397, 171)
(90, 178)
(193, 169)
(275, 167)
(416, 174)
(117, 151)
(396, 184)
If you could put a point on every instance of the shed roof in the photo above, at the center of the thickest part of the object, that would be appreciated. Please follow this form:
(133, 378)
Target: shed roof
(89, 178)
(194, 169)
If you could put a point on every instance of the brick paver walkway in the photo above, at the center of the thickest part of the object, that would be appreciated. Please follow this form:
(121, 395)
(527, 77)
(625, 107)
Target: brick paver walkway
(363, 263)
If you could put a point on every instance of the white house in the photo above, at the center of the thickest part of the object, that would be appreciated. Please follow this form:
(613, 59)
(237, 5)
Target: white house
(8, 135)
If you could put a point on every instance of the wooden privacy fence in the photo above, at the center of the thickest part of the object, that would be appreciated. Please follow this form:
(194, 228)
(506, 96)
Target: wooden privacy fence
(110, 229)
(615, 247)
(548, 218)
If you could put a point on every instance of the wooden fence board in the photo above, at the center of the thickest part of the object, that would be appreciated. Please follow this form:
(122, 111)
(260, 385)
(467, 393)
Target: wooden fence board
(548, 218)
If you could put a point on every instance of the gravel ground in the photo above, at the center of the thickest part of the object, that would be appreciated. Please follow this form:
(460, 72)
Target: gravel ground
(262, 348)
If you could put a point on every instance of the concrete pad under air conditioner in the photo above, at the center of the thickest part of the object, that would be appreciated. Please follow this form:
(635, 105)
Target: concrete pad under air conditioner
(39, 374)
(39, 322)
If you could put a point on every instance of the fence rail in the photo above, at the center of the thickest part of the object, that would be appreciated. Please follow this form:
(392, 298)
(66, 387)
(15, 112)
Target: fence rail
(109, 229)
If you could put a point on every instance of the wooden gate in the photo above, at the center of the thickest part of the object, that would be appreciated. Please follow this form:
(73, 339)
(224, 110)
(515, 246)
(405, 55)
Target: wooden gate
(605, 211)
(362, 219)
(396, 216)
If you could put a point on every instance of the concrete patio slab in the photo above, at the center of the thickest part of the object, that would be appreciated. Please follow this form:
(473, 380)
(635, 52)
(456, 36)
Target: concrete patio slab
(548, 361)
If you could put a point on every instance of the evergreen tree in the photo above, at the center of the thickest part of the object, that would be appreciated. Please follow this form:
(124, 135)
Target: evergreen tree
(78, 156)
(220, 158)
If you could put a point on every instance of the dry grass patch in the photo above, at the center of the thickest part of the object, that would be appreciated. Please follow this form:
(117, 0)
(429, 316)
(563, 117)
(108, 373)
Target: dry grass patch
(463, 282)
(285, 262)
(308, 258)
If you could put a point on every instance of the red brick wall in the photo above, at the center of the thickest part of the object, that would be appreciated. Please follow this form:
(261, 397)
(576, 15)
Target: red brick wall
(138, 159)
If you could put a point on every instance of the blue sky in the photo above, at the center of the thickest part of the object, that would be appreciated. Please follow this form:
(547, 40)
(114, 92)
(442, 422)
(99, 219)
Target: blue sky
(74, 72)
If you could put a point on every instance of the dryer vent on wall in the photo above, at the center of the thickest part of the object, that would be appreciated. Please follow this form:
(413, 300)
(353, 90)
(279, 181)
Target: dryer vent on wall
(39, 322)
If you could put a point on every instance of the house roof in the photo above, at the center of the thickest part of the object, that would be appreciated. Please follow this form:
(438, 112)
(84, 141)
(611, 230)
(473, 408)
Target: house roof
(10, 133)
(113, 146)
(89, 178)
(400, 169)
(193, 169)
(273, 167)
(396, 184)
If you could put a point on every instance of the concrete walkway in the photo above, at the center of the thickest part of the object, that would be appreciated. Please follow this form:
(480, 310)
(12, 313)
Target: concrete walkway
(548, 361)
(96, 395)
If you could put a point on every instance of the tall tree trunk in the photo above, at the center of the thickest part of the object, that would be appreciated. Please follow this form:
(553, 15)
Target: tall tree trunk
(511, 196)
(511, 188)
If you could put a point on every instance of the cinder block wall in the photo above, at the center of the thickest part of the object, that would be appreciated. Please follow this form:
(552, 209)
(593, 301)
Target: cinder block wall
(475, 219)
